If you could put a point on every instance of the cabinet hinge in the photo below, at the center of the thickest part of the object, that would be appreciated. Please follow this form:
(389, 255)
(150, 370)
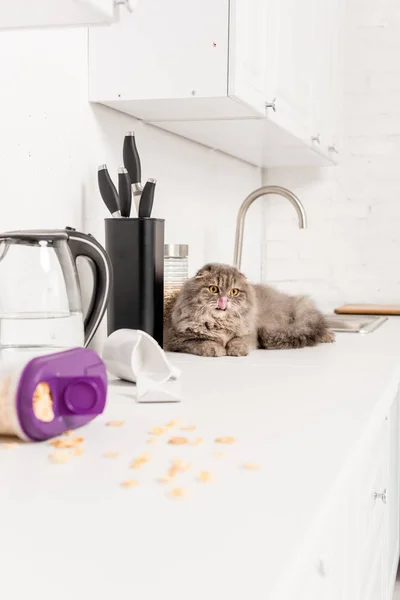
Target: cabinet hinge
(271, 105)
(129, 5)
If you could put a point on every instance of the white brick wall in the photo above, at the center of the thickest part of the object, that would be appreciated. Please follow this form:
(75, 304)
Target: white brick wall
(351, 250)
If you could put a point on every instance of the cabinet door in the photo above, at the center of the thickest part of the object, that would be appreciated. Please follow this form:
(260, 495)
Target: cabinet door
(329, 573)
(163, 52)
(375, 588)
(393, 497)
(248, 32)
(290, 56)
(327, 78)
(17, 14)
(371, 515)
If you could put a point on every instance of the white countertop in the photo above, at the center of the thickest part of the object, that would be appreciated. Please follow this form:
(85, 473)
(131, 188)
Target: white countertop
(70, 530)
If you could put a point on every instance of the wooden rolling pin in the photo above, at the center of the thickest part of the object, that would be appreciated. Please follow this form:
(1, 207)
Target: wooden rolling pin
(368, 309)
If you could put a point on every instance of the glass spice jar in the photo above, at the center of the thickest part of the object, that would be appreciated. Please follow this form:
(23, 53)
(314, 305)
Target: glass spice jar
(175, 271)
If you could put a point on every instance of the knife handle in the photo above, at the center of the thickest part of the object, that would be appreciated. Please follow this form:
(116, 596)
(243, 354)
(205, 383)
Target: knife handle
(131, 158)
(125, 192)
(147, 198)
(108, 191)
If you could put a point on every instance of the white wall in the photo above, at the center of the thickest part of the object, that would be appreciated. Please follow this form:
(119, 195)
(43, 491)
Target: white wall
(52, 140)
(351, 251)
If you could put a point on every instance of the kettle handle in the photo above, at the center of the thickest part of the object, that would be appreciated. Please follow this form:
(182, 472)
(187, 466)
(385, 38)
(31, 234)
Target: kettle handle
(86, 246)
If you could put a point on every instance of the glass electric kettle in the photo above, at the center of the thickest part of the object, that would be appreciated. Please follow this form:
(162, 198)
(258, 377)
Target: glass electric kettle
(40, 299)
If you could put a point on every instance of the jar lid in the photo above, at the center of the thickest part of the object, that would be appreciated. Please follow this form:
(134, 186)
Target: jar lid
(176, 250)
(75, 390)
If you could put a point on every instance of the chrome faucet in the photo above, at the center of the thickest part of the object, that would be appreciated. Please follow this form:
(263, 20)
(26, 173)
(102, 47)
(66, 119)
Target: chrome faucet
(263, 191)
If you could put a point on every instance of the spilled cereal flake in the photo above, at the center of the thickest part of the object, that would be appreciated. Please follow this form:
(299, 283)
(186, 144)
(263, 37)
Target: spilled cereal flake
(251, 466)
(172, 472)
(173, 423)
(59, 457)
(115, 423)
(164, 480)
(205, 477)
(111, 454)
(9, 445)
(197, 441)
(225, 440)
(138, 462)
(57, 443)
(189, 428)
(78, 440)
(68, 443)
(180, 466)
(178, 441)
(157, 430)
(129, 483)
(177, 493)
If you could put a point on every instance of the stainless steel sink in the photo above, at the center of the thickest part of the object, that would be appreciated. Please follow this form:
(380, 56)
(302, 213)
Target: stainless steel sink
(355, 323)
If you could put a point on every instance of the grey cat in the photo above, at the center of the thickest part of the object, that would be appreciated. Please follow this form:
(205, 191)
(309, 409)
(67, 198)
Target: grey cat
(218, 313)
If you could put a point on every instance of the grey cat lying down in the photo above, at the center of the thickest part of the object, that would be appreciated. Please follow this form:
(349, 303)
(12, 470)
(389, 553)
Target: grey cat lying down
(218, 313)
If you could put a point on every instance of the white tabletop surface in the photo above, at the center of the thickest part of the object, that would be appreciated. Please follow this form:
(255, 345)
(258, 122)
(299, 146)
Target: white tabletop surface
(71, 531)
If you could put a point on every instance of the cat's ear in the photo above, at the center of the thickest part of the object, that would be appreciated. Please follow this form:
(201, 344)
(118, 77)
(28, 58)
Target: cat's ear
(203, 271)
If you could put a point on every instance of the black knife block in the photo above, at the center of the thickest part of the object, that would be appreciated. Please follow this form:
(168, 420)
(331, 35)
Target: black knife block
(136, 250)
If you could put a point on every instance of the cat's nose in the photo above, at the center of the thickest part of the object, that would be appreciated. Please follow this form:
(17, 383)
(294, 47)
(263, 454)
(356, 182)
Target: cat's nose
(222, 302)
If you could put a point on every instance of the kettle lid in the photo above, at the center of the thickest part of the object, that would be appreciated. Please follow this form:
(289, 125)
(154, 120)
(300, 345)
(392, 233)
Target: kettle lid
(34, 235)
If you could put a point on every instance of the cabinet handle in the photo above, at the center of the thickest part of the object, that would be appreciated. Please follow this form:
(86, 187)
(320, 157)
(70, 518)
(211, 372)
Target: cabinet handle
(333, 148)
(127, 3)
(316, 138)
(381, 495)
(321, 566)
(271, 105)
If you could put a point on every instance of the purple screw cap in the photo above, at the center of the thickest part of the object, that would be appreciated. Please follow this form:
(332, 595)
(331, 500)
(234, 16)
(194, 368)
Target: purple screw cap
(78, 383)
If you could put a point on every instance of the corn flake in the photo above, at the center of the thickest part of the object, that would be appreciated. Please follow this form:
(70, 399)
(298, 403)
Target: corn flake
(111, 454)
(129, 483)
(197, 441)
(157, 430)
(177, 493)
(205, 477)
(59, 457)
(178, 441)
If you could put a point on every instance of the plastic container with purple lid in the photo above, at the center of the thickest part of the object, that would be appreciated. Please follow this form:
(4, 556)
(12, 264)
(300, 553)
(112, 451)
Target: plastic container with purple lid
(47, 395)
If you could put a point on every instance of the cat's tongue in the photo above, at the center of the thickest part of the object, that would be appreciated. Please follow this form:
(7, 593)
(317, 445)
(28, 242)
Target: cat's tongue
(222, 302)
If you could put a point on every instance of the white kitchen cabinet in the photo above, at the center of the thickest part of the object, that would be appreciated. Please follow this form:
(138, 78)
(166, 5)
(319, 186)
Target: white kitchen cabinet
(290, 65)
(15, 14)
(246, 78)
(354, 552)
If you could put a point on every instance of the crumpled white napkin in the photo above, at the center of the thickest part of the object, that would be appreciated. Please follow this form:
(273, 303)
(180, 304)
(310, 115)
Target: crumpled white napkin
(133, 355)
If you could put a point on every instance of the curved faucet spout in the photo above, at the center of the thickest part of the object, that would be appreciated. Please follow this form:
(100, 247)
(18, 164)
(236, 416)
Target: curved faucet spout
(263, 191)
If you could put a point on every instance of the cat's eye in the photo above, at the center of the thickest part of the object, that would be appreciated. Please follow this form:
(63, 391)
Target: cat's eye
(234, 292)
(213, 289)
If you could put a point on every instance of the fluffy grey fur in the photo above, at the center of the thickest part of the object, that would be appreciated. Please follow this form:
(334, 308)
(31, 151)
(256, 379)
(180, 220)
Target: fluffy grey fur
(255, 316)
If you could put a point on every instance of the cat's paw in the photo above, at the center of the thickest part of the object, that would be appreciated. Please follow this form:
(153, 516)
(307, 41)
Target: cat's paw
(328, 337)
(212, 349)
(237, 347)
